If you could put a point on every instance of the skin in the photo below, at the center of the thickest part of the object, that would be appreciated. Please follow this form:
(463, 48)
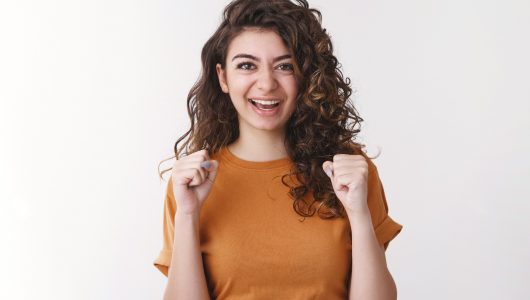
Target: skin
(370, 278)
(268, 74)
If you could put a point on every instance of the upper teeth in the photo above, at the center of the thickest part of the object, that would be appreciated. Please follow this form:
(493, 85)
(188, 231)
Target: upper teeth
(266, 102)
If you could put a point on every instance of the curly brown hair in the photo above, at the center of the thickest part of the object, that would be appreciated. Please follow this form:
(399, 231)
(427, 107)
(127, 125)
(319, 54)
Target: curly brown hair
(324, 122)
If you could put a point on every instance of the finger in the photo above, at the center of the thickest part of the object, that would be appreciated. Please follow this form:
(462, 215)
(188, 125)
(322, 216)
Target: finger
(202, 171)
(197, 177)
(347, 157)
(349, 167)
(198, 156)
(202, 155)
(349, 164)
(344, 179)
(211, 167)
(340, 161)
(328, 168)
(186, 177)
(186, 165)
(206, 164)
(355, 175)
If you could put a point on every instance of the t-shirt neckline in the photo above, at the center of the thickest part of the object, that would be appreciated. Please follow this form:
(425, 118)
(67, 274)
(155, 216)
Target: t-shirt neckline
(254, 165)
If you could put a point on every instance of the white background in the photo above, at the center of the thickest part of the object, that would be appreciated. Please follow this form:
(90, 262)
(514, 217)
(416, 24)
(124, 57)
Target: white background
(93, 97)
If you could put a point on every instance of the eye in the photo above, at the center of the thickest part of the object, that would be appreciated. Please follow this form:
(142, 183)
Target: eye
(286, 67)
(246, 66)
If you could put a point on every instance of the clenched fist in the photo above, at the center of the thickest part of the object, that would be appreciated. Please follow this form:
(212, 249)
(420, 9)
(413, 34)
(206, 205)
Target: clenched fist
(192, 178)
(349, 177)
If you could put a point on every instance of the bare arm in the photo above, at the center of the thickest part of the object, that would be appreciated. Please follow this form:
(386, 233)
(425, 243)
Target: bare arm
(192, 179)
(370, 278)
(186, 278)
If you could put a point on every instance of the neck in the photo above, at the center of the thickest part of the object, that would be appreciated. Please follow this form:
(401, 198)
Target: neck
(259, 145)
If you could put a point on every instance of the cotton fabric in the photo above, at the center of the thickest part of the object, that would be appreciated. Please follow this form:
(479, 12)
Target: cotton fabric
(255, 246)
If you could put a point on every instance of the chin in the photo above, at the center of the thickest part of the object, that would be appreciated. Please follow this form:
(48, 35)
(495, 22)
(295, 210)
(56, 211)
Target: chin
(268, 127)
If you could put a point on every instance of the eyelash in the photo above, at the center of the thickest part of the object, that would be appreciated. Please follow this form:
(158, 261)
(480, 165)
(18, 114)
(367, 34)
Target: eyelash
(240, 66)
(291, 67)
(251, 66)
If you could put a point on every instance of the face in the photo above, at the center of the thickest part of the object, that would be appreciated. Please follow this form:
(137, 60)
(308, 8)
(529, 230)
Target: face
(259, 77)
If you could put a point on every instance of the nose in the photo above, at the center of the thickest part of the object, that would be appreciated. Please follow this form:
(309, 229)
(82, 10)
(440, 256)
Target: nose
(266, 80)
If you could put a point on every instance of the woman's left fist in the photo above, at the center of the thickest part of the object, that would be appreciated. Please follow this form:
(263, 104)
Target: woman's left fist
(349, 177)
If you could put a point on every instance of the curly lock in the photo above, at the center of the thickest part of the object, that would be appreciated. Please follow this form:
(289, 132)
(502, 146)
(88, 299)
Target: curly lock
(324, 122)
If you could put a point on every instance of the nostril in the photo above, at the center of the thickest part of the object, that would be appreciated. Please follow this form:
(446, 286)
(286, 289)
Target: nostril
(267, 82)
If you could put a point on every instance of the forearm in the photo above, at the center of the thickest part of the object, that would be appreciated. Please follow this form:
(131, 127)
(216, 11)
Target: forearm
(370, 278)
(186, 279)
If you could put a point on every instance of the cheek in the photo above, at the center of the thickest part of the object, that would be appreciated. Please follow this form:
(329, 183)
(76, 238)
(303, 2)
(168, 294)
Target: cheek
(239, 84)
(238, 89)
(291, 87)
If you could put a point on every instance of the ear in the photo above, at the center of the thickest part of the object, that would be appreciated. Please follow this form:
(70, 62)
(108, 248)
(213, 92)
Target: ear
(221, 75)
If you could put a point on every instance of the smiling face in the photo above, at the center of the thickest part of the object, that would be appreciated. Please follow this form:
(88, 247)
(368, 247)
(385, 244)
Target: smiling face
(259, 77)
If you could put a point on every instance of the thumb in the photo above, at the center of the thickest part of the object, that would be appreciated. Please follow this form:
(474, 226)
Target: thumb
(211, 167)
(328, 168)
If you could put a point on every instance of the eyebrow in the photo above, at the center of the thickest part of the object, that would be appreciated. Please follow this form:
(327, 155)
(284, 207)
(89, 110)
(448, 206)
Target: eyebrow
(243, 55)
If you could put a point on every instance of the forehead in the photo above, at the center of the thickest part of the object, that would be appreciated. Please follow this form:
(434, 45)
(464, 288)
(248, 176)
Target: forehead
(258, 42)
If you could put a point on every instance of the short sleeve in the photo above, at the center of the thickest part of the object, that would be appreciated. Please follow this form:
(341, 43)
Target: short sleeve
(385, 227)
(163, 260)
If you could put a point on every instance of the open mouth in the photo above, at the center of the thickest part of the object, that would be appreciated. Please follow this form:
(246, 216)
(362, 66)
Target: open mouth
(265, 104)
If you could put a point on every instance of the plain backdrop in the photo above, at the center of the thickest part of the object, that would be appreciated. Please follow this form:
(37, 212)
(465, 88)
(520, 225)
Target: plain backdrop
(93, 97)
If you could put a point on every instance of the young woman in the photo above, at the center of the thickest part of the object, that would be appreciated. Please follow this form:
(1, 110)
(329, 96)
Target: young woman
(272, 198)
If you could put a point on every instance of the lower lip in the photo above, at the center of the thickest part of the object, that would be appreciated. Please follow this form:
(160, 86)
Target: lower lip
(265, 113)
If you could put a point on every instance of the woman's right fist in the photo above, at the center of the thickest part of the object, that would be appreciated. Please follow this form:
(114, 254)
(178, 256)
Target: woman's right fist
(192, 177)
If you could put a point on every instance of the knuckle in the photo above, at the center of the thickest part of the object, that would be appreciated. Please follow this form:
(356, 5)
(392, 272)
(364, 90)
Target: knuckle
(363, 177)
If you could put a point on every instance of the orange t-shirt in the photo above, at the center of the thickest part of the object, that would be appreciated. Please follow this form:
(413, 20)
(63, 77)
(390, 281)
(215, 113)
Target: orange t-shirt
(254, 245)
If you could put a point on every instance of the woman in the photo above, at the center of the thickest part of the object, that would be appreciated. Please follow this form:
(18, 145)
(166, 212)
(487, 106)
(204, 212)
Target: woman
(274, 199)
